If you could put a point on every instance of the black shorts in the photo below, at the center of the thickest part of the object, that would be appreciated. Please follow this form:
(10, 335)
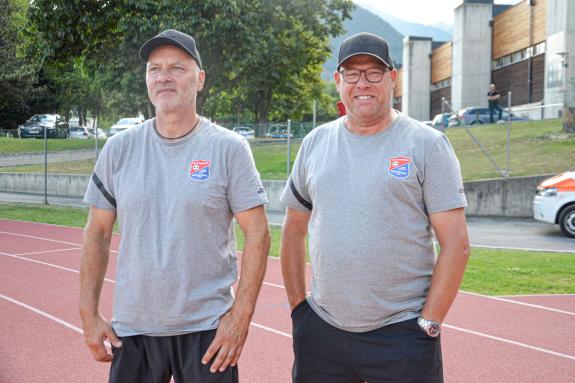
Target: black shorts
(155, 359)
(399, 353)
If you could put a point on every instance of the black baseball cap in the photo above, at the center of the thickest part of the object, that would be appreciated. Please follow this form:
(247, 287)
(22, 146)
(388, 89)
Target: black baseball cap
(365, 44)
(171, 37)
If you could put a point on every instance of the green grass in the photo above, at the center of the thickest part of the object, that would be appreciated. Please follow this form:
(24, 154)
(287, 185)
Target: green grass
(515, 272)
(74, 167)
(15, 145)
(537, 147)
(490, 271)
(67, 216)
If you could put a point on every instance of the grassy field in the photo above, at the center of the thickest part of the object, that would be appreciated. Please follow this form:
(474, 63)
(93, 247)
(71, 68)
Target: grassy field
(490, 271)
(537, 147)
(15, 145)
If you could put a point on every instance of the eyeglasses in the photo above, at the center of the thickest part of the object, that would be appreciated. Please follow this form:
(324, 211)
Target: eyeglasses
(373, 75)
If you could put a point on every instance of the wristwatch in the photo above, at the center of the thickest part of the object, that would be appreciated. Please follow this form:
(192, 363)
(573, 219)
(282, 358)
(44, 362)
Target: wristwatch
(430, 327)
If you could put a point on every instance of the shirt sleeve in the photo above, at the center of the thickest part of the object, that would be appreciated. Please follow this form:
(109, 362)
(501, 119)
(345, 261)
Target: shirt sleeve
(296, 193)
(245, 188)
(443, 185)
(100, 192)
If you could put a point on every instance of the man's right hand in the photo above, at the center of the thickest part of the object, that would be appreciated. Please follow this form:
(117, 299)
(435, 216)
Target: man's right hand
(96, 331)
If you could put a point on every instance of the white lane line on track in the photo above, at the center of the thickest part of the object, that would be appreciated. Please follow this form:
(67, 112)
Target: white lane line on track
(49, 265)
(48, 239)
(42, 238)
(50, 251)
(496, 338)
(272, 330)
(519, 303)
(43, 313)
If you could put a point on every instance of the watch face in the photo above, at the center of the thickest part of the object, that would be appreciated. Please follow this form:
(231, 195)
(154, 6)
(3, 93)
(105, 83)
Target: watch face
(433, 329)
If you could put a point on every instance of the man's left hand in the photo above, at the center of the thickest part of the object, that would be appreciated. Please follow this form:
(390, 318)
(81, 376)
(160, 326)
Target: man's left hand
(228, 342)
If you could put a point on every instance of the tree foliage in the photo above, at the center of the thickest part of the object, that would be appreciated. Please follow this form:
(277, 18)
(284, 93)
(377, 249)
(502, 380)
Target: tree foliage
(263, 54)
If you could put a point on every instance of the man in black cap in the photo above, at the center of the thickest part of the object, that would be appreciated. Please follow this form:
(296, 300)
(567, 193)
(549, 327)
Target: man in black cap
(175, 183)
(369, 188)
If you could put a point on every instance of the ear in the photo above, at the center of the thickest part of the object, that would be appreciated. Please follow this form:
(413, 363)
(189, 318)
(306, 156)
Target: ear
(201, 80)
(337, 78)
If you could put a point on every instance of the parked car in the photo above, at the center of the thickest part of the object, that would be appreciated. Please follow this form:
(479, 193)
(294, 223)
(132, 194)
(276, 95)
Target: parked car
(278, 131)
(245, 131)
(475, 115)
(441, 121)
(56, 127)
(125, 123)
(78, 132)
(82, 132)
(554, 202)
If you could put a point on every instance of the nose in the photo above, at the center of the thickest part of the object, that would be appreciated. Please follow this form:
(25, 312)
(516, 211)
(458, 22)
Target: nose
(162, 76)
(363, 80)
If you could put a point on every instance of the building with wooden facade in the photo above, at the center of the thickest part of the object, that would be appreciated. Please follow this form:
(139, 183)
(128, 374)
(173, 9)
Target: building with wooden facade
(527, 49)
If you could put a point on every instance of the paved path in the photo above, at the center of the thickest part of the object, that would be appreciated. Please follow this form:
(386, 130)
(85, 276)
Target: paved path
(513, 233)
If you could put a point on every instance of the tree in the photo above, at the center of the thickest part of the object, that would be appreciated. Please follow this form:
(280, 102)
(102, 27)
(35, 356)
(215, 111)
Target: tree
(17, 74)
(258, 48)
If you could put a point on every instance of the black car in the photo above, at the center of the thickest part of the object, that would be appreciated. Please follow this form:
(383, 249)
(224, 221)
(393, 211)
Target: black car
(56, 127)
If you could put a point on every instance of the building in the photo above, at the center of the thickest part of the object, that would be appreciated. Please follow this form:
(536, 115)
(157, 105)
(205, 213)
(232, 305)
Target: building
(527, 49)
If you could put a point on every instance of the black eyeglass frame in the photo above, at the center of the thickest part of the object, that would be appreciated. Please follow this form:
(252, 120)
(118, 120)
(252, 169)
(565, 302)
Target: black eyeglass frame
(364, 71)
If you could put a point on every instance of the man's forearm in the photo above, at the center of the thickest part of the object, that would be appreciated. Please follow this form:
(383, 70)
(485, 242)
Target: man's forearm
(447, 276)
(254, 261)
(92, 271)
(293, 254)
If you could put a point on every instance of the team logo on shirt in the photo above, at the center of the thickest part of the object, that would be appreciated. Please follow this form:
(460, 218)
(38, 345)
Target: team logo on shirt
(200, 169)
(399, 166)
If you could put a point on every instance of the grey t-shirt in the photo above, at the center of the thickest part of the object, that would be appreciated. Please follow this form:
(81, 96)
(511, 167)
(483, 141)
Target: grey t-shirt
(175, 201)
(370, 238)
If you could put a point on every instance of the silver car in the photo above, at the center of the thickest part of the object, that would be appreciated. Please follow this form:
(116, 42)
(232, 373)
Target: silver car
(125, 123)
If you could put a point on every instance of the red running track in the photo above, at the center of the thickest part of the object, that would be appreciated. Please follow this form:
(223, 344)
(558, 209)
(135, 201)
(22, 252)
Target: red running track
(485, 339)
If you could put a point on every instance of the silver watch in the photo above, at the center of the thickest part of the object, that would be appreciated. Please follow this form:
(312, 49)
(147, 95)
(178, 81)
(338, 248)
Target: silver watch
(430, 327)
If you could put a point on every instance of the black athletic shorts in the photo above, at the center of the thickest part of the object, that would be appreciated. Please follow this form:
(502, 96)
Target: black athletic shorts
(155, 359)
(398, 353)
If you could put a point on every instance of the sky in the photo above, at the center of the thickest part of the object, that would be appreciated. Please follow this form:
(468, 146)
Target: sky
(427, 12)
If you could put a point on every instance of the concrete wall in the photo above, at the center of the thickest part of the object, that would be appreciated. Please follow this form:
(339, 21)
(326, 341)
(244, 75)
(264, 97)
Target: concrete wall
(471, 70)
(512, 197)
(416, 77)
(62, 185)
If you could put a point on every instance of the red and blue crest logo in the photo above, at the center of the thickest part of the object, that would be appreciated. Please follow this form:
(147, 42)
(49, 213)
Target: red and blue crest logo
(200, 169)
(399, 166)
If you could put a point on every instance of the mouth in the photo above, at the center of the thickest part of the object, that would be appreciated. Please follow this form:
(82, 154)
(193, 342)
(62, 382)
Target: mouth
(363, 98)
(165, 91)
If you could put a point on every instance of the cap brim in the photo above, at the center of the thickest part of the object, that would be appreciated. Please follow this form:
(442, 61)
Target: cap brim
(365, 53)
(158, 41)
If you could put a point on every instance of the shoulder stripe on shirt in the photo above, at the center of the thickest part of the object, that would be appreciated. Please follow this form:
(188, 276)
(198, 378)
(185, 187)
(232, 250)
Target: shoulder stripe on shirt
(105, 193)
(298, 196)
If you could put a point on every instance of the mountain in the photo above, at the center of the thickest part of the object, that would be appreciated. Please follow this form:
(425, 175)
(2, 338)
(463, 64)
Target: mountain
(439, 32)
(364, 21)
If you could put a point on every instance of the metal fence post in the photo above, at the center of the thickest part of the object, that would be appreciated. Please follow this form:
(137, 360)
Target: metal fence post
(314, 113)
(508, 148)
(288, 147)
(45, 165)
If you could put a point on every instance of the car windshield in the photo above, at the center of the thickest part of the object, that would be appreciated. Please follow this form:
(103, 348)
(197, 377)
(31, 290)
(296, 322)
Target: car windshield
(77, 129)
(43, 118)
(128, 121)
